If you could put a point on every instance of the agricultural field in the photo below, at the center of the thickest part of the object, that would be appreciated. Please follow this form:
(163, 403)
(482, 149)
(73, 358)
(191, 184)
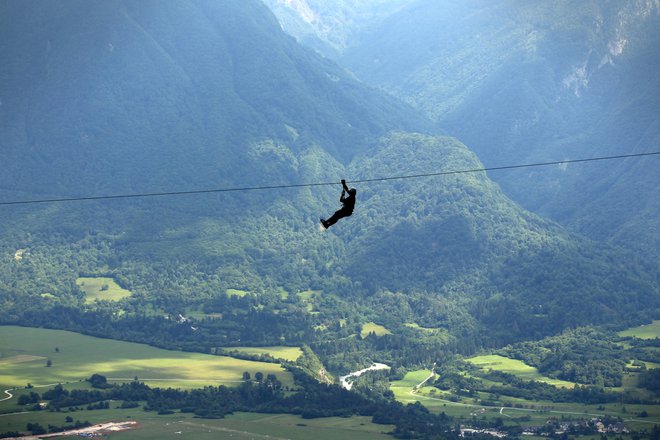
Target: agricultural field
(406, 391)
(515, 367)
(74, 357)
(25, 353)
(101, 288)
(514, 411)
(241, 426)
(274, 426)
(277, 352)
(403, 388)
(377, 329)
(648, 331)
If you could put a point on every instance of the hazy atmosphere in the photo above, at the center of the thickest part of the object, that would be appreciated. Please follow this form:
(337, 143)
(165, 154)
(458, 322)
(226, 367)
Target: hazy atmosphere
(171, 266)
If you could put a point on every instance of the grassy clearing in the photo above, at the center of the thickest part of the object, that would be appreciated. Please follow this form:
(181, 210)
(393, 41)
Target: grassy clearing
(239, 426)
(236, 292)
(431, 398)
(307, 295)
(278, 352)
(101, 288)
(377, 329)
(402, 389)
(75, 357)
(411, 379)
(517, 368)
(648, 364)
(537, 412)
(648, 331)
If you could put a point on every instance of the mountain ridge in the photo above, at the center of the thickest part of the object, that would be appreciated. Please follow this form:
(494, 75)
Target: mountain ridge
(521, 82)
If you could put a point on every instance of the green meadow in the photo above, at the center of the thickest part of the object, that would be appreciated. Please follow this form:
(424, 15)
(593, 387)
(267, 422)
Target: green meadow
(101, 288)
(435, 400)
(236, 292)
(377, 329)
(74, 357)
(278, 352)
(511, 409)
(244, 426)
(403, 388)
(284, 426)
(647, 331)
(238, 426)
(515, 367)
(24, 353)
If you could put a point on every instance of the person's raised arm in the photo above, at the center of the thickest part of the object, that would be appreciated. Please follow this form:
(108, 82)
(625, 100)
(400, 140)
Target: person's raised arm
(343, 191)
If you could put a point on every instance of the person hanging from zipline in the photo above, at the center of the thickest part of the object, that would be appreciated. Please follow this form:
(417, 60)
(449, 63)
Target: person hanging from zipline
(346, 210)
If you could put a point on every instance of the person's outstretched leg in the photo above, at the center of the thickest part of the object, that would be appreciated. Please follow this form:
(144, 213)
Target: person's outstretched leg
(336, 216)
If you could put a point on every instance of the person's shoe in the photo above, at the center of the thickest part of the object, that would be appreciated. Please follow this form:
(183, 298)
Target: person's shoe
(325, 225)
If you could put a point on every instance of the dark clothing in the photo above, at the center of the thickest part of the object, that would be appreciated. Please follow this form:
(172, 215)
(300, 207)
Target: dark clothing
(343, 212)
(349, 203)
(346, 210)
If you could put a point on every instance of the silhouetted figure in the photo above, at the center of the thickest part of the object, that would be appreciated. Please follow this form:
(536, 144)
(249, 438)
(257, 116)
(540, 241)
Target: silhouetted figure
(346, 210)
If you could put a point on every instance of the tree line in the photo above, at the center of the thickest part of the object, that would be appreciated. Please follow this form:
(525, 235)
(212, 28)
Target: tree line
(311, 399)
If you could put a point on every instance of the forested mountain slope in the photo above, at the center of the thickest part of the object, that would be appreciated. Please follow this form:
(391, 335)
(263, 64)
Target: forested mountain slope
(101, 98)
(135, 96)
(461, 240)
(523, 82)
(167, 95)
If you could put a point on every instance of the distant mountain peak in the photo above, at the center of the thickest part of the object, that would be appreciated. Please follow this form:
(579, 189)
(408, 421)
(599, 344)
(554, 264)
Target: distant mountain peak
(302, 8)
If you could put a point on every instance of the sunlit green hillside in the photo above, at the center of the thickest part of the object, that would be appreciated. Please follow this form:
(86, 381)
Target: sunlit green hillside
(71, 357)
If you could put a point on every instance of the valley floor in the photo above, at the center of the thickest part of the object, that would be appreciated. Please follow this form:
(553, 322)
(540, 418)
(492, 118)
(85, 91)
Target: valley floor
(239, 426)
(529, 415)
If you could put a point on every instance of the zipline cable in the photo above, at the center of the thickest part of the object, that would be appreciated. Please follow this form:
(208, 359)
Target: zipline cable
(301, 185)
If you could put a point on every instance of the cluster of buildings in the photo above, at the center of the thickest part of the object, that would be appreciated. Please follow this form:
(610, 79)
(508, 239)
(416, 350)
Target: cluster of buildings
(577, 427)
